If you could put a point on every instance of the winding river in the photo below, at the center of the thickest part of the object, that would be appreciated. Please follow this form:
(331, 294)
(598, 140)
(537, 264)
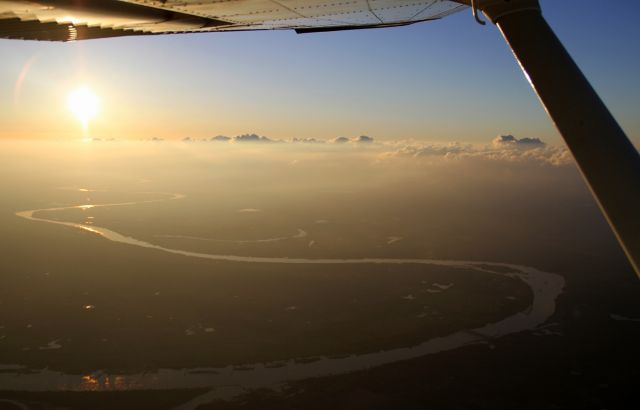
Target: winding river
(545, 287)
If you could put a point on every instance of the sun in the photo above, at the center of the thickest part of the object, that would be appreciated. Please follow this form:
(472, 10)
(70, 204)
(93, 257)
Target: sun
(84, 104)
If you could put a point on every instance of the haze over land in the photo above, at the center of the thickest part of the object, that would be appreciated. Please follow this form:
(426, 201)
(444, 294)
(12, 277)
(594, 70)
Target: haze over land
(83, 312)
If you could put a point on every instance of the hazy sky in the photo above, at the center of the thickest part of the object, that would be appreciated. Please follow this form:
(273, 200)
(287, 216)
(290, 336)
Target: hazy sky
(442, 81)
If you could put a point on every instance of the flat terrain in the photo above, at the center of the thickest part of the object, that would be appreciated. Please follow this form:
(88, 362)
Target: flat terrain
(121, 308)
(74, 302)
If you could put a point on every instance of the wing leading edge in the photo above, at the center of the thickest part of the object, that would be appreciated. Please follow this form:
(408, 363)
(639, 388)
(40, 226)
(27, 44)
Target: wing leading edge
(70, 20)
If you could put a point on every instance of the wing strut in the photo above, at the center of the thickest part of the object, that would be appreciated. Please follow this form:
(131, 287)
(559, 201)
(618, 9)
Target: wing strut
(608, 160)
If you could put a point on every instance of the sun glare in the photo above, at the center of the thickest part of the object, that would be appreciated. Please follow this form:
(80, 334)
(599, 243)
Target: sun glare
(84, 104)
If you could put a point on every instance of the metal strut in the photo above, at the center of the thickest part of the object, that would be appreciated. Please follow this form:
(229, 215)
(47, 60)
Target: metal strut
(607, 159)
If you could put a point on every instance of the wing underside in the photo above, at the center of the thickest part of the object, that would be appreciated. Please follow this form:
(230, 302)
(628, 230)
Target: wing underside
(69, 20)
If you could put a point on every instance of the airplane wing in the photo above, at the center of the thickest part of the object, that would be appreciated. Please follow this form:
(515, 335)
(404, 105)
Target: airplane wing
(70, 20)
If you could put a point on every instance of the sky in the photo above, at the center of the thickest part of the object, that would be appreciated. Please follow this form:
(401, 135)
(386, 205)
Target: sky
(449, 80)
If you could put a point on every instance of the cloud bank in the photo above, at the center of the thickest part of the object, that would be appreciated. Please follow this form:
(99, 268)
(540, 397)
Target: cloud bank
(504, 148)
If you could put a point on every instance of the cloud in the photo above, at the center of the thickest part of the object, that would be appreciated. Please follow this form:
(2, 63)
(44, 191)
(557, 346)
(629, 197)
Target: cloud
(511, 141)
(363, 139)
(340, 140)
(251, 138)
(505, 148)
(308, 140)
(255, 138)
(220, 138)
(427, 150)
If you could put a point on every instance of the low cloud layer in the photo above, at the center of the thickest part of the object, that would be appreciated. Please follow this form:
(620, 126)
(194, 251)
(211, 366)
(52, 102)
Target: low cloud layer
(503, 148)
(255, 138)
